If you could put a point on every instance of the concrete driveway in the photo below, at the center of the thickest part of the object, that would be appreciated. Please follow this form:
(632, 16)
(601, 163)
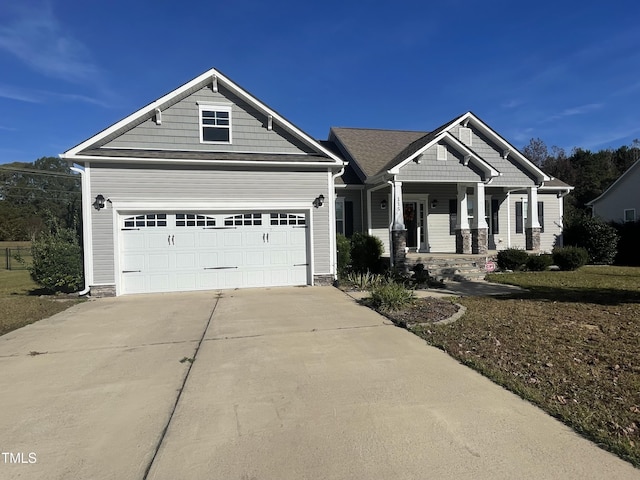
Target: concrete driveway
(290, 383)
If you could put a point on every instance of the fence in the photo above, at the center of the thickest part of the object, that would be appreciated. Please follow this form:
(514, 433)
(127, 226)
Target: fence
(17, 258)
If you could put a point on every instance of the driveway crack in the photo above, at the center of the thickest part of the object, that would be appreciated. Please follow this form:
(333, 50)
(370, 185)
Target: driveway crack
(181, 390)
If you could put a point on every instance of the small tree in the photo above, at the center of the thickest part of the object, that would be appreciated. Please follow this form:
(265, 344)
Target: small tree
(57, 259)
(598, 238)
(344, 254)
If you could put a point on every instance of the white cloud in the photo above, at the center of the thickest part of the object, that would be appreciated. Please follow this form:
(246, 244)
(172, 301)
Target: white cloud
(18, 94)
(570, 112)
(37, 39)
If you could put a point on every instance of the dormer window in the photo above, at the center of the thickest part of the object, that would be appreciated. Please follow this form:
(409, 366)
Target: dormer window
(215, 124)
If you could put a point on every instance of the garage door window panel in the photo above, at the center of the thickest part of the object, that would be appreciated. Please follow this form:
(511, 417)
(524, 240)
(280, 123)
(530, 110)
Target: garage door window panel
(148, 220)
(246, 219)
(288, 219)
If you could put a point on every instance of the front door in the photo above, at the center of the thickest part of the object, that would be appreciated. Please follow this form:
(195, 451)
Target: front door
(411, 223)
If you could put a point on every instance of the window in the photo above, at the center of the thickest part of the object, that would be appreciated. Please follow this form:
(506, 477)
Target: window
(629, 215)
(149, 220)
(521, 216)
(215, 124)
(194, 220)
(340, 215)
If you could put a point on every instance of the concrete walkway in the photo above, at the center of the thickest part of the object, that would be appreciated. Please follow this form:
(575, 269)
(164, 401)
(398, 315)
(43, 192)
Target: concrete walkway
(288, 383)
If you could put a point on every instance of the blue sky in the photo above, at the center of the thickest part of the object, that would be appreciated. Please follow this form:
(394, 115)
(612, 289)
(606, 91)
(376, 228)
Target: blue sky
(565, 71)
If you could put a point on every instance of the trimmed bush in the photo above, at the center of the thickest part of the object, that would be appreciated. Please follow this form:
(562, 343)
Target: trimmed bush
(391, 296)
(343, 245)
(512, 259)
(570, 258)
(538, 263)
(57, 261)
(598, 238)
(366, 251)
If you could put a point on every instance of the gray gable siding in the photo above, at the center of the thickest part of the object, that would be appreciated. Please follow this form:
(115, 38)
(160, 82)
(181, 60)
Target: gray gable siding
(625, 194)
(199, 185)
(432, 170)
(180, 129)
(512, 174)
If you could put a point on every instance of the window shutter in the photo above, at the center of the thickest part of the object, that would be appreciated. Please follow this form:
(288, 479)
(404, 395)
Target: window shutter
(495, 209)
(453, 216)
(348, 218)
(519, 225)
(541, 216)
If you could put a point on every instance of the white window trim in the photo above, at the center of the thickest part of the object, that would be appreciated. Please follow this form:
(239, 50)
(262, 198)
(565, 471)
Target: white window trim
(624, 215)
(215, 108)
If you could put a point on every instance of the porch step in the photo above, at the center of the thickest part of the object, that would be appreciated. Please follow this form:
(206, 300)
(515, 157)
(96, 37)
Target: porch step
(457, 268)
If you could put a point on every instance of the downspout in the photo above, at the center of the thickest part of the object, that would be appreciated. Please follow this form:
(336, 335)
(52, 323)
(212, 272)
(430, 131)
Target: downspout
(86, 237)
(332, 224)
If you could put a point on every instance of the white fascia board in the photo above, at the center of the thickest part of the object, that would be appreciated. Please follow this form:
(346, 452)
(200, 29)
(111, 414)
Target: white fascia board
(183, 161)
(526, 163)
(456, 144)
(205, 79)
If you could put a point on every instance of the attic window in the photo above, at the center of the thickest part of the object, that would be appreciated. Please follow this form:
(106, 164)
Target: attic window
(465, 136)
(441, 152)
(215, 124)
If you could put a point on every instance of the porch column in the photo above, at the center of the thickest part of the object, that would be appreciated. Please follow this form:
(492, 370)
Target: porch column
(463, 233)
(480, 230)
(398, 229)
(532, 227)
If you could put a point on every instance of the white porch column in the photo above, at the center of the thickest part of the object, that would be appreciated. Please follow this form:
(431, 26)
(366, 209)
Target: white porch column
(462, 220)
(532, 208)
(479, 214)
(398, 211)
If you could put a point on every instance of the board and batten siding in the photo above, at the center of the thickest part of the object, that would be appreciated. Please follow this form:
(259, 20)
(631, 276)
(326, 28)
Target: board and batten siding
(180, 129)
(196, 185)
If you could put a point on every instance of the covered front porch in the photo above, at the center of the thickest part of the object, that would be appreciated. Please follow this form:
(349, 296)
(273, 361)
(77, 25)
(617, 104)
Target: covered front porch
(453, 218)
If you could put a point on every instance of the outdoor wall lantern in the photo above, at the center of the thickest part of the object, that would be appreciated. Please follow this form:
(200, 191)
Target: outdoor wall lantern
(383, 205)
(318, 201)
(434, 203)
(99, 203)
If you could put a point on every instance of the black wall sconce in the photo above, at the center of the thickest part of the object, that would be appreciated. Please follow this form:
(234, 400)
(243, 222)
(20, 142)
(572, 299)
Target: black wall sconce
(319, 201)
(434, 203)
(383, 205)
(99, 203)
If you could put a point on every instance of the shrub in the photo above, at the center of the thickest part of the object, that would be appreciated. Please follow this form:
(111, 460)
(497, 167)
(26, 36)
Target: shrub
(628, 251)
(343, 245)
(570, 258)
(57, 261)
(597, 237)
(365, 253)
(391, 296)
(364, 280)
(538, 263)
(512, 259)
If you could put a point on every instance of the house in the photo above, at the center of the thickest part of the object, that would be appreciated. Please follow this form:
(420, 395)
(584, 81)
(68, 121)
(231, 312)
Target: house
(209, 188)
(621, 201)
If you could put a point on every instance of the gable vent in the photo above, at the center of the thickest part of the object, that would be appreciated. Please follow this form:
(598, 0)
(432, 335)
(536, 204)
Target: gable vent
(441, 152)
(465, 136)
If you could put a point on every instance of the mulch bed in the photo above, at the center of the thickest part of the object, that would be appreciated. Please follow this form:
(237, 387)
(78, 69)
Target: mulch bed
(423, 310)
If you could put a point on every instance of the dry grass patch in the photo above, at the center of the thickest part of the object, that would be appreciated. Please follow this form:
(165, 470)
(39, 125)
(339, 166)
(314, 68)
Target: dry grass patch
(19, 306)
(571, 345)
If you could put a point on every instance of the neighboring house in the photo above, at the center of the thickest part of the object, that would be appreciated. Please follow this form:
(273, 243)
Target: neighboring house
(621, 201)
(209, 188)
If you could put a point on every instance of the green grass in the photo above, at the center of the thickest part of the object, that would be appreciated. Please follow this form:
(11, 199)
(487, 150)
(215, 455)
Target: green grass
(571, 345)
(19, 303)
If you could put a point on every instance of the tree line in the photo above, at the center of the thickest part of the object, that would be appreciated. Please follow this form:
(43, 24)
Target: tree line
(36, 195)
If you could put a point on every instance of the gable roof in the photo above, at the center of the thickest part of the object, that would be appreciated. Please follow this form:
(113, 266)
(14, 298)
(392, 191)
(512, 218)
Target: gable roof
(377, 152)
(614, 185)
(210, 77)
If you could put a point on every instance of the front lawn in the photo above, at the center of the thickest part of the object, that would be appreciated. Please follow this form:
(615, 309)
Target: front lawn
(571, 345)
(19, 306)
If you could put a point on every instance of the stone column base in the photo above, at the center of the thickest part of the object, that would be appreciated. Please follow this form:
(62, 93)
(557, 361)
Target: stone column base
(480, 241)
(398, 249)
(463, 240)
(532, 239)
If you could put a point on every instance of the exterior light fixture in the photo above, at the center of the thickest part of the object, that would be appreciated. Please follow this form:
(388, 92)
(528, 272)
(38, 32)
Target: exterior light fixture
(383, 205)
(319, 201)
(434, 203)
(99, 203)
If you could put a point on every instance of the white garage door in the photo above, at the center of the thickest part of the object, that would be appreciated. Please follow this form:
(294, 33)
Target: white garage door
(166, 252)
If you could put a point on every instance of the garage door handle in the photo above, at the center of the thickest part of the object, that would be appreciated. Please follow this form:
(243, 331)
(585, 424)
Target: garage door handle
(218, 268)
(171, 239)
(131, 271)
(300, 264)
